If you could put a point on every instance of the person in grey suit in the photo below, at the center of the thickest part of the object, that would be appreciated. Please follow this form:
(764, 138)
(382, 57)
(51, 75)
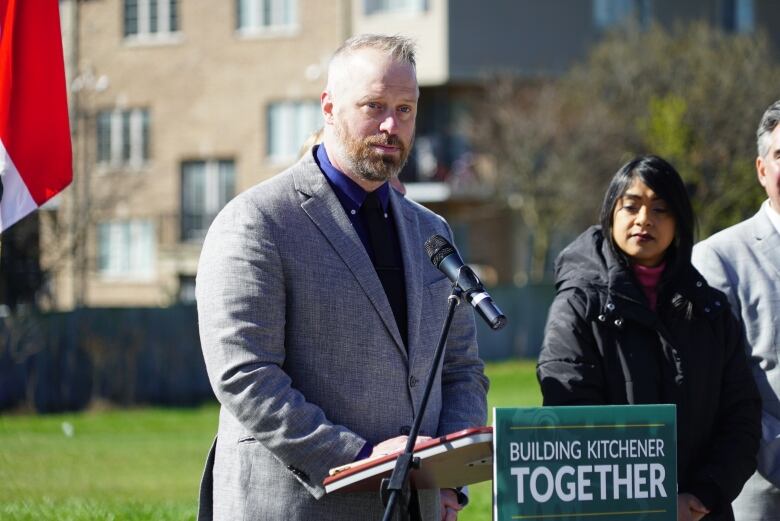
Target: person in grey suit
(317, 350)
(742, 261)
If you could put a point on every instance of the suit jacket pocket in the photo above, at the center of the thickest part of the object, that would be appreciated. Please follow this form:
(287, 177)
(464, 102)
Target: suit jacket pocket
(436, 301)
(439, 288)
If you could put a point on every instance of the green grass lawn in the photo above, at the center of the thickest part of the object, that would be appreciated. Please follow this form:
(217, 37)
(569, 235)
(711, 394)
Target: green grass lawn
(145, 464)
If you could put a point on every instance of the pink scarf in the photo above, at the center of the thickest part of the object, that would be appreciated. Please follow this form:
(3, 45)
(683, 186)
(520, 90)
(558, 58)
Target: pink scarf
(648, 280)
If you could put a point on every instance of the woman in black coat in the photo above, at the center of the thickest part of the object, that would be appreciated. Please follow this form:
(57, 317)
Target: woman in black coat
(633, 322)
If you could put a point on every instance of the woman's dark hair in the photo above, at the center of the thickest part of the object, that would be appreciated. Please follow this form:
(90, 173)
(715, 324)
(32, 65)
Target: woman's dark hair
(663, 179)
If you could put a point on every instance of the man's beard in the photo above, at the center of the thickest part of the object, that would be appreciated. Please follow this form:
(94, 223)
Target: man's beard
(370, 164)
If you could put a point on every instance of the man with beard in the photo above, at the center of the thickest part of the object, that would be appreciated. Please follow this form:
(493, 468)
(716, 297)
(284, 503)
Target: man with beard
(319, 312)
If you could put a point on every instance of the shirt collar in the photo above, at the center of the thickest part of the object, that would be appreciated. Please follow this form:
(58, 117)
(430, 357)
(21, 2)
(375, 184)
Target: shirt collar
(773, 215)
(346, 186)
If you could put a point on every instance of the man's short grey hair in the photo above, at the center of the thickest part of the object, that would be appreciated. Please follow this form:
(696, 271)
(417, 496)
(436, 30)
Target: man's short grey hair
(400, 48)
(769, 121)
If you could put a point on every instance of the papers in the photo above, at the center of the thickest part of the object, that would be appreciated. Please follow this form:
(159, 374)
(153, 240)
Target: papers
(450, 461)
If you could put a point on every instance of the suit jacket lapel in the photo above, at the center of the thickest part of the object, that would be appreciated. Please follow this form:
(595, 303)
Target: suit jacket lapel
(767, 239)
(412, 253)
(324, 209)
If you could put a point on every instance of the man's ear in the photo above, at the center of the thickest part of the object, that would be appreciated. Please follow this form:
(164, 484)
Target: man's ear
(326, 103)
(760, 173)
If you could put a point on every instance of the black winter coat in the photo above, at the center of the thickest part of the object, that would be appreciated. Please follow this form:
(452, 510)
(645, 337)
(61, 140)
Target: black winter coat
(604, 345)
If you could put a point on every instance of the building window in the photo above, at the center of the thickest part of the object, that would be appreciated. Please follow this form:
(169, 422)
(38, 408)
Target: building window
(149, 19)
(259, 16)
(610, 13)
(739, 16)
(186, 289)
(289, 124)
(394, 6)
(127, 249)
(206, 186)
(123, 137)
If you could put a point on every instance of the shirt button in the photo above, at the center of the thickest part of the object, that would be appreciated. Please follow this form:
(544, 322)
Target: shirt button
(412, 381)
(698, 284)
(405, 430)
(353, 212)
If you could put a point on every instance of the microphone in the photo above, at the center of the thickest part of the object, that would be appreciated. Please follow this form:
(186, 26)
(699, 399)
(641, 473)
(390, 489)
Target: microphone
(445, 257)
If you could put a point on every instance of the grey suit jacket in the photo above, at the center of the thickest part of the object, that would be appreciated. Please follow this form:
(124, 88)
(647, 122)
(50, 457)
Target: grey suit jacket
(304, 354)
(744, 262)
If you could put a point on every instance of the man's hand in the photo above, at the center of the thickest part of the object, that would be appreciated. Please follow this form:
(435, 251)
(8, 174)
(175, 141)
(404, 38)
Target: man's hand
(380, 450)
(449, 504)
(392, 445)
(689, 508)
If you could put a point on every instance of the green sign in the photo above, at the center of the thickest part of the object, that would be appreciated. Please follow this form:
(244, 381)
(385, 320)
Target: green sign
(616, 462)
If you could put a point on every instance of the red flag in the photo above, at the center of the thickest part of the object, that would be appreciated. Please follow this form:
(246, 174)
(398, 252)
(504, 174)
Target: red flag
(35, 151)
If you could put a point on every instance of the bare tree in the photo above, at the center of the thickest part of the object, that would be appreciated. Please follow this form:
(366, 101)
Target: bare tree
(529, 132)
(693, 95)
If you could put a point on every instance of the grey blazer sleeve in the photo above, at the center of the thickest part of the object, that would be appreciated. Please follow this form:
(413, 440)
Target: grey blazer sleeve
(241, 310)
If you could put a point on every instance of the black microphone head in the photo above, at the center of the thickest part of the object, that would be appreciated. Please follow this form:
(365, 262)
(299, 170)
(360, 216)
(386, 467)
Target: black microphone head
(437, 248)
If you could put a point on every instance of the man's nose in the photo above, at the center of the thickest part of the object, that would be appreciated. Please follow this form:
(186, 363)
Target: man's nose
(389, 124)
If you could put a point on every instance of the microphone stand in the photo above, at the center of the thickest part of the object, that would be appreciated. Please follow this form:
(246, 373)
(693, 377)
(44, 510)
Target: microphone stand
(397, 482)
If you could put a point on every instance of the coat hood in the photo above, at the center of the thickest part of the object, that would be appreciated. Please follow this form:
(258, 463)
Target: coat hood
(586, 262)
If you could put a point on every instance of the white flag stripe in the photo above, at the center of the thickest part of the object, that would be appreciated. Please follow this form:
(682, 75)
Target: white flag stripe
(17, 201)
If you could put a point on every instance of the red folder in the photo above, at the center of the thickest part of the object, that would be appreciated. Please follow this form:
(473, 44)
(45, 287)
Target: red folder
(454, 460)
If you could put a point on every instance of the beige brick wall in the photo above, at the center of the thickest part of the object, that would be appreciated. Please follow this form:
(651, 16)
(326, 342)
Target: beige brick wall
(207, 91)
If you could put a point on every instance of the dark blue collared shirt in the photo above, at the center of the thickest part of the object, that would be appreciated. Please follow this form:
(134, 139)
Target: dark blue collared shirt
(351, 196)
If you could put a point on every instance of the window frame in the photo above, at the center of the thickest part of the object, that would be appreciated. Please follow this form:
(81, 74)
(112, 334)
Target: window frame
(124, 135)
(738, 16)
(126, 240)
(386, 7)
(252, 18)
(295, 127)
(218, 188)
(608, 14)
(155, 21)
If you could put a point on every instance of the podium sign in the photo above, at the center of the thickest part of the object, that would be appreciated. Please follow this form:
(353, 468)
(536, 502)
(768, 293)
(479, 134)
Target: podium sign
(616, 462)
